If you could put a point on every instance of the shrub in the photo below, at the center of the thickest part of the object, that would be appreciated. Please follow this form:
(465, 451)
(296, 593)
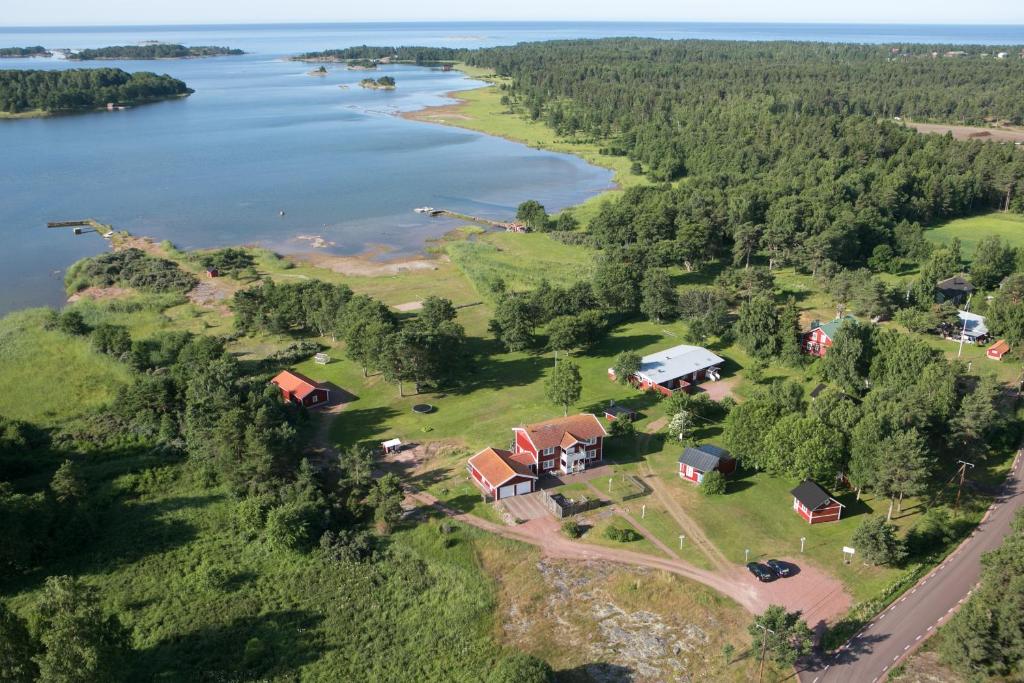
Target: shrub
(571, 528)
(520, 668)
(209, 577)
(288, 526)
(622, 427)
(251, 515)
(621, 535)
(713, 483)
(72, 322)
(113, 340)
(876, 541)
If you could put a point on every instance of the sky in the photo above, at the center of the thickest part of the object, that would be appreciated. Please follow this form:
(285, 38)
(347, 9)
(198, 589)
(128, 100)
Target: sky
(108, 12)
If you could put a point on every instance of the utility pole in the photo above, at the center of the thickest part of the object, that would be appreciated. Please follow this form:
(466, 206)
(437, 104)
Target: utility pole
(963, 333)
(963, 473)
(764, 646)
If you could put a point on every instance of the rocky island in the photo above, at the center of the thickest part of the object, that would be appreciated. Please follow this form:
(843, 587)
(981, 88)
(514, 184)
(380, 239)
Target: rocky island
(18, 52)
(382, 83)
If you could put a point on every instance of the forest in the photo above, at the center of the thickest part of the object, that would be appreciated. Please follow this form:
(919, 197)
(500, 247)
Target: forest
(70, 90)
(416, 55)
(34, 51)
(157, 51)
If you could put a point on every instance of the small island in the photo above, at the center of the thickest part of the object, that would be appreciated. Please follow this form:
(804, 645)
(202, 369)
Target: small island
(382, 83)
(19, 52)
(152, 51)
(26, 93)
(319, 71)
(369, 56)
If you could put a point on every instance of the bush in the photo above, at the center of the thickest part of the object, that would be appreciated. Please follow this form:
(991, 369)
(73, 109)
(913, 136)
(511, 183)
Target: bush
(621, 535)
(208, 577)
(520, 668)
(713, 483)
(876, 541)
(622, 427)
(288, 526)
(571, 528)
(113, 340)
(72, 322)
(251, 515)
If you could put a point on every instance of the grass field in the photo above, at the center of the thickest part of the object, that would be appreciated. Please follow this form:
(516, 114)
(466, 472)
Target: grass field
(50, 377)
(1009, 226)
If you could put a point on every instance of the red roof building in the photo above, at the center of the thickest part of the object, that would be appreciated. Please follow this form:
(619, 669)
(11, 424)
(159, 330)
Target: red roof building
(299, 389)
(998, 350)
(568, 444)
(502, 474)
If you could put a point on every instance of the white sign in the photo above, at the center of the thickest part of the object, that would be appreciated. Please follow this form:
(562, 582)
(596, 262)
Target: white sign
(848, 549)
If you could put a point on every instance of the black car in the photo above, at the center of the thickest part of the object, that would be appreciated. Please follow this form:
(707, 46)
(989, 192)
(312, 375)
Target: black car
(762, 572)
(780, 568)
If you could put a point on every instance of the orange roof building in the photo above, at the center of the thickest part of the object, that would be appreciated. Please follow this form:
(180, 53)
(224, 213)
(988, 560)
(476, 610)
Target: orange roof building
(299, 389)
(502, 474)
(998, 350)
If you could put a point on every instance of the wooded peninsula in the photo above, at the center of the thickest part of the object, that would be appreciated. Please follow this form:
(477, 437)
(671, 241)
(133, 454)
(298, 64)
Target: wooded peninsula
(74, 90)
(155, 51)
(34, 51)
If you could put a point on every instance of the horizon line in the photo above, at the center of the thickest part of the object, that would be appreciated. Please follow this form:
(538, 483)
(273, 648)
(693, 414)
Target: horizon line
(509, 21)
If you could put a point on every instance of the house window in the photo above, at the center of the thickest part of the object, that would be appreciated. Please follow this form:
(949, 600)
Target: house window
(591, 442)
(549, 464)
(549, 451)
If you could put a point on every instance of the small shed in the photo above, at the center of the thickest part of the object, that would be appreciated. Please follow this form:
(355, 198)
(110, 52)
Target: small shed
(954, 289)
(321, 358)
(695, 462)
(815, 504)
(391, 446)
(212, 272)
(998, 350)
(615, 412)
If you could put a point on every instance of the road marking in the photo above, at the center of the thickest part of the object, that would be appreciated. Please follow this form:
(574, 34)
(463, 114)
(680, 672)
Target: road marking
(930, 628)
(913, 591)
(895, 658)
(949, 611)
(886, 668)
(881, 617)
(906, 647)
(816, 679)
(828, 667)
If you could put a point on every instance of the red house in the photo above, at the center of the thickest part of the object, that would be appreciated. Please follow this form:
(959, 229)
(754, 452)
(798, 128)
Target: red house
(998, 350)
(568, 444)
(299, 389)
(815, 504)
(502, 474)
(694, 463)
(817, 341)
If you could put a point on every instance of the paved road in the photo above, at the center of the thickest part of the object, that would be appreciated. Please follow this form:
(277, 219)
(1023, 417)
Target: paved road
(897, 631)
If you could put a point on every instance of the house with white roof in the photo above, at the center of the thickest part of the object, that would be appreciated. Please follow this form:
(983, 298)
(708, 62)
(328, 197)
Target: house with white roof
(677, 369)
(972, 327)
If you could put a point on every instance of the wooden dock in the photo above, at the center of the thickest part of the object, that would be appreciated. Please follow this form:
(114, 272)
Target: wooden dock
(101, 228)
(510, 226)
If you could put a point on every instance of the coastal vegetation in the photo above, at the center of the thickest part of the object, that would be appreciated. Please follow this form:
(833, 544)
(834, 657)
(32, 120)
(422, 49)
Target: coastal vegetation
(373, 54)
(154, 51)
(34, 51)
(71, 90)
(382, 83)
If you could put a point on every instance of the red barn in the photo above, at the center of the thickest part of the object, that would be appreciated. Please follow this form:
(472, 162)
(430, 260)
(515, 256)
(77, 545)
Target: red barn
(817, 341)
(694, 463)
(815, 504)
(502, 474)
(570, 444)
(998, 350)
(299, 389)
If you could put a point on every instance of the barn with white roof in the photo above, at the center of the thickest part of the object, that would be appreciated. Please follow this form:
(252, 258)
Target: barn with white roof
(677, 369)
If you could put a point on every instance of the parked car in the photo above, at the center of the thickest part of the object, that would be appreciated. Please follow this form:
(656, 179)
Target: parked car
(781, 568)
(762, 572)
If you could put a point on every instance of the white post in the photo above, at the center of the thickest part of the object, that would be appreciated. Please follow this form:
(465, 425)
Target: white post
(610, 484)
(746, 555)
(643, 511)
(802, 539)
(963, 333)
(682, 537)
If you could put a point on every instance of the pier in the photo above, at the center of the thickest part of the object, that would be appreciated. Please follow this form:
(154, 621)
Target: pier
(101, 228)
(508, 226)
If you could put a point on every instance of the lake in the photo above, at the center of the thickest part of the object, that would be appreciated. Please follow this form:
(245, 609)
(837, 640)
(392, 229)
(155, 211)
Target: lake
(260, 136)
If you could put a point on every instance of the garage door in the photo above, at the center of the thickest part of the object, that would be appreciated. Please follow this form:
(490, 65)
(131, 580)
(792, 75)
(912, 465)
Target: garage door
(523, 488)
(506, 491)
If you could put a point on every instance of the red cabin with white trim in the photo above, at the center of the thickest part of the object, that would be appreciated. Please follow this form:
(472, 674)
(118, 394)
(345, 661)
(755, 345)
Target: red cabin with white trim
(694, 463)
(815, 504)
(502, 474)
(300, 390)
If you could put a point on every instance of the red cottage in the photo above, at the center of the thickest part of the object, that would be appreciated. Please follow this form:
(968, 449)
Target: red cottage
(568, 444)
(300, 389)
(694, 463)
(819, 339)
(815, 504)
(998, 350)
(502, 474)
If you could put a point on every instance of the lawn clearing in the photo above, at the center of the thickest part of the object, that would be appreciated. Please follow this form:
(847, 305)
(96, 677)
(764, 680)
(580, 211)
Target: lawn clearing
(1009, 226)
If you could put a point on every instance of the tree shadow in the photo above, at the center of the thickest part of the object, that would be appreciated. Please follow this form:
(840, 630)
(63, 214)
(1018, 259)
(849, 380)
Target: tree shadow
(361, 425)
(596, 671)
(497, 373)
(853, 507)
(269, 646)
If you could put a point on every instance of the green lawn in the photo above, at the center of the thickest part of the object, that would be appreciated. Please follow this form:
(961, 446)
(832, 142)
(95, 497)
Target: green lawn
(50, 377)
(521, 260)
(1009, 226)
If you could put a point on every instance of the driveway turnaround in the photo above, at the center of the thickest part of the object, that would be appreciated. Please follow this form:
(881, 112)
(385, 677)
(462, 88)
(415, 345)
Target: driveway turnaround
(908, 622)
